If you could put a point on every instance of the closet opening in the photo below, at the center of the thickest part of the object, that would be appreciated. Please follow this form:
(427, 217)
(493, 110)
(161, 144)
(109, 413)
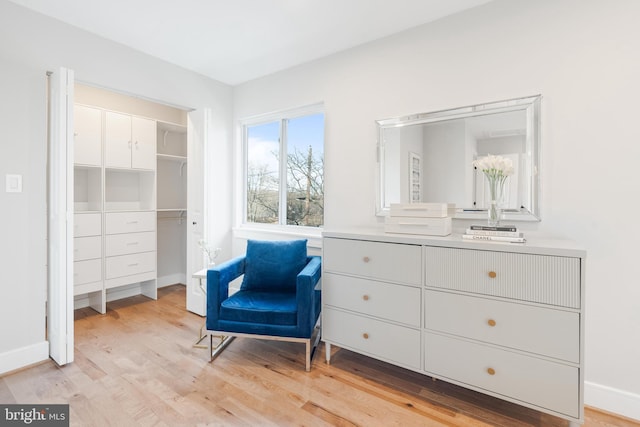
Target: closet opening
(131, 186)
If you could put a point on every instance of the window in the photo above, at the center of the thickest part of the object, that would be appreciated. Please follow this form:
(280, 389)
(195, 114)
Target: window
(284, 179)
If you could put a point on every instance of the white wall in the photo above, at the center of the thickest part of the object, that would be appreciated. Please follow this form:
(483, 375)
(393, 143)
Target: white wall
(22, 216)
(31, 44)
(583, 56)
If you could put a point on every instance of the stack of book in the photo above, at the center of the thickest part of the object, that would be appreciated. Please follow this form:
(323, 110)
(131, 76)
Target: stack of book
(500, 233)
(432, 219)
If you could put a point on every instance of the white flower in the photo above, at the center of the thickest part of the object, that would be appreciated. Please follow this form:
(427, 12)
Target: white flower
(494, 166)
(497, 169)
(209, 250)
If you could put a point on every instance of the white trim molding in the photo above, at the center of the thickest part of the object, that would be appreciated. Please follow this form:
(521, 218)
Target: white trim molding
(612, 400)
(24, 356)
(280, 232)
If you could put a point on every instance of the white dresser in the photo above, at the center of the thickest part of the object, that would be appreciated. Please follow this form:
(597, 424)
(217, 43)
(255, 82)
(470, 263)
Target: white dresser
(500, 318)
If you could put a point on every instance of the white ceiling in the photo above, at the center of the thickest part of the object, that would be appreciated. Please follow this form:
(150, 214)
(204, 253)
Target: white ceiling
(234, 41)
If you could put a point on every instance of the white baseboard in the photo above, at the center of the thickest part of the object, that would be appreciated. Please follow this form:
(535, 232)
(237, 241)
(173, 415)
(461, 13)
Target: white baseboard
(171, 279)
(25, 356)
(612, 400)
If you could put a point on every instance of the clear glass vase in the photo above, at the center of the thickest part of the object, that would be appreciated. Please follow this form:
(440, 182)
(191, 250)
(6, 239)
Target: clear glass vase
(494, 211)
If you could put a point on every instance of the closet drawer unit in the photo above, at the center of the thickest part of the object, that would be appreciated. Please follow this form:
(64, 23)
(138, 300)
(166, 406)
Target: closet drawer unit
(87, 271)
(539, 382)
(130, 222)
(545, 331)
(392, 343)
(538, 278)
(128, 265)
(88, 224)
(129, 243)
(397, 303)
(383, 261)
(87, 248)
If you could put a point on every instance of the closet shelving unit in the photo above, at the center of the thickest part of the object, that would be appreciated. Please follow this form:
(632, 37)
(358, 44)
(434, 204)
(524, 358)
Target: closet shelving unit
(172, 203)
(88, 199)
(130, 198)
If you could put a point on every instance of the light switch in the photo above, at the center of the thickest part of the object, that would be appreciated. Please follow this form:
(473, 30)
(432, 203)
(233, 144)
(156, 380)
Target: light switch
(14, 183)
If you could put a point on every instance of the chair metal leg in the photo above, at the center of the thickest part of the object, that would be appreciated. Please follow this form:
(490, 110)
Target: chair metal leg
(201, 335)
(225, 340)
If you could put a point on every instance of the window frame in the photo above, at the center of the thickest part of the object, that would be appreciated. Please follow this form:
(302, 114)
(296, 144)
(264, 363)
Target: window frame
(281, 117)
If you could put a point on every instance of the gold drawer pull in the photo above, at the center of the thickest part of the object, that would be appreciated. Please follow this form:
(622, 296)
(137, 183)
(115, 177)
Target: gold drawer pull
(492, 274)
(491, 371)
(491, 322)
(365, 336)
(365, 297)
(366, 259)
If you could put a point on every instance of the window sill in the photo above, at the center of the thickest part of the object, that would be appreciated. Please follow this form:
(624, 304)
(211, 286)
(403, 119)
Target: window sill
(280, 232)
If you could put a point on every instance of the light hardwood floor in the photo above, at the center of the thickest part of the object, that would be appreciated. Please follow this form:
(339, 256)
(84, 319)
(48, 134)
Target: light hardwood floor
(136, 366)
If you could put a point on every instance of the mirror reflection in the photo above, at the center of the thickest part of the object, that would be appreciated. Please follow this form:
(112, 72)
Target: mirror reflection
(428, 157)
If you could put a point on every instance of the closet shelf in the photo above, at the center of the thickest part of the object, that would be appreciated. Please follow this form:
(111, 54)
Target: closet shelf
(172, 157)
(171, 209)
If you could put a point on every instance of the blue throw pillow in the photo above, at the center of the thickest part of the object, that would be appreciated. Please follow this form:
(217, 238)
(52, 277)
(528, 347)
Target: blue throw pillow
(274, 265)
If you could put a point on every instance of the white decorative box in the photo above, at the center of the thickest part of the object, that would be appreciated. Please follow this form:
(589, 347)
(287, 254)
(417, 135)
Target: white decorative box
(417, 225)
(423, 210)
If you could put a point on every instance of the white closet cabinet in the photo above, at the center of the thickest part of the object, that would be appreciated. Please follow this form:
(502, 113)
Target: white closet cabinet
(88, 195)
(87, 136)
(130, 249)
(115, 204)
(87, 253)
(130, 141)
(87, 159)
(502, 319)
(130, 202)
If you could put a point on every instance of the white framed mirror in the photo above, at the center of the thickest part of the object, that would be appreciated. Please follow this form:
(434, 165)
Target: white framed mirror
(428, 157)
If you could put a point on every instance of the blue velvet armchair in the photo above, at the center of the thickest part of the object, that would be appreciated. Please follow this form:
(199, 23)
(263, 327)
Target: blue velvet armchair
(279, 297)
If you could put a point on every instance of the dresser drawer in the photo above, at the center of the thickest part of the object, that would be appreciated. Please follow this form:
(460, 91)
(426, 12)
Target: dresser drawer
(383, 261)
(127, 265)
(544, 331)
(87, 224)
(87, 248)
(129, 243)
(546, 384)
(388, 301)
(87, 271)
(539, 278)
(129, 222)
(391, 343)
